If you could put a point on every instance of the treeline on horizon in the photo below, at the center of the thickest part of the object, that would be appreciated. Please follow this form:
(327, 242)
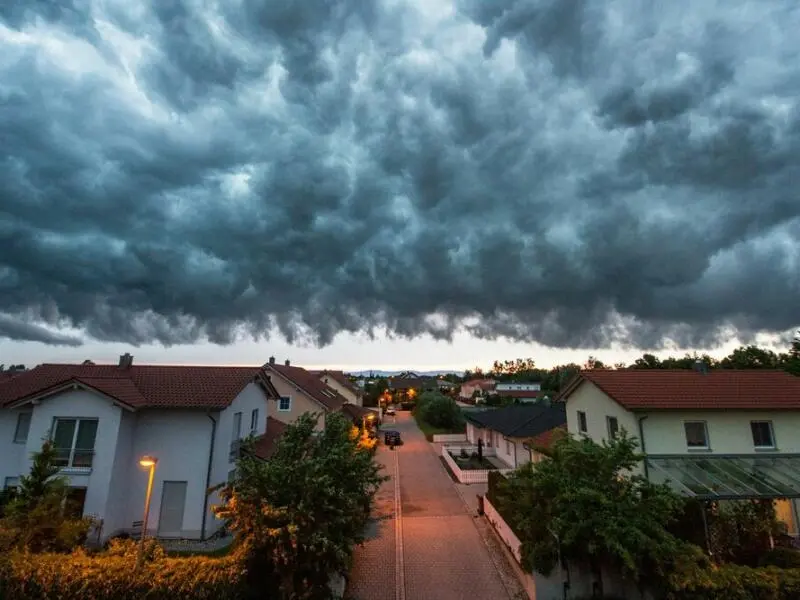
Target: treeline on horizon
(552, 380)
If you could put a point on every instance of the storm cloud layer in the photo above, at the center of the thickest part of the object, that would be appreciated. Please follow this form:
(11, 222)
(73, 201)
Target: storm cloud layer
(572, 173)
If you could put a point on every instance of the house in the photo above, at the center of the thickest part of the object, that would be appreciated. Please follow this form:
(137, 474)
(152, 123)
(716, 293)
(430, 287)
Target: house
(409, 384)
(341, 383)
(521, 395)
(265, 444)
(300, 391)
(104, 418)
(710, 434)
(516, 386)
(482, 386)
(506, 430)
(360, 415)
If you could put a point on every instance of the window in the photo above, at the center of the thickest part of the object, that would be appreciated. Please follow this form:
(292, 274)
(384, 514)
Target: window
(696, 434)
(73, 440)
(762, 434)
(237, 427)
(74, 502)
(613, 427)
(23, 425)
(285, 403)
(582, 426)
(254, 421)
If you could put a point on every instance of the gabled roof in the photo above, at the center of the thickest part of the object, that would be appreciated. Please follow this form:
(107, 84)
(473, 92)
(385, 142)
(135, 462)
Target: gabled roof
(356, 413)
(520, 420)
(140, 386)
(340, 378)
(311, 385)
(546, 439)
(686, 389)
(266, 444)
(408, 383)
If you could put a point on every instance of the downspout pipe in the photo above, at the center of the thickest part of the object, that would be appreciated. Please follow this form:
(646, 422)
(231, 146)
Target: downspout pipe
(639, 422)
(208, 475)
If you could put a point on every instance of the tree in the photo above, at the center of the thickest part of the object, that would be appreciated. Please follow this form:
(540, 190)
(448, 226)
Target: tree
(299, 515)
(750, 357)
(439, 410)
(586, 504)
(791, 360)
(37, 517)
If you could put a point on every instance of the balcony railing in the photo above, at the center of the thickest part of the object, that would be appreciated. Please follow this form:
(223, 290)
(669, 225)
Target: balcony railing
(74, 458)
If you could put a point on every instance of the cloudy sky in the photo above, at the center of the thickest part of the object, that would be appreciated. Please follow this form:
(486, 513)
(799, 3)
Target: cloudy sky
(396, 182)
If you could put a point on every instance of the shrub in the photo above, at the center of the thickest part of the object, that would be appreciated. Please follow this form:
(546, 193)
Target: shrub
(785, 558)
(441, 411)
(111, 576)
(734, 582)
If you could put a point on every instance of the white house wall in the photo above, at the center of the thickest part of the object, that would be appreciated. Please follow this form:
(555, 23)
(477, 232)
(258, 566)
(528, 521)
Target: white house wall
(180, 440)
(597, 406)
(116, 516)
(345, 392)
(13, 457)
(251, 397)
(80, 403)
(728, 431)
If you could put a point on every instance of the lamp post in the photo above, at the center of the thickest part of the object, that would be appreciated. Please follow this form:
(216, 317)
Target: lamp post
(148, 462)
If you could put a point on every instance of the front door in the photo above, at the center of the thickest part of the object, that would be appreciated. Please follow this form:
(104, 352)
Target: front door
(173, 501)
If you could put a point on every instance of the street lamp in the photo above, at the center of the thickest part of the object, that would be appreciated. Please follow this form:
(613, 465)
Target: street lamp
(148, 462)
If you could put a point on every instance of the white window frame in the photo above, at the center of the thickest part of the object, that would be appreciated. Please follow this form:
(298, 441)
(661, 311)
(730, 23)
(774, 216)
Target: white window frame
(73, 448)
(237, 427)
(707, 445)
(254, 421)
(17, 438)
(609, 420)
(583, 422)
(773, 445)
(280, 403)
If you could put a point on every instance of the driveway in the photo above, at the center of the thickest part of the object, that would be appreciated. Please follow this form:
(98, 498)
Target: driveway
(424, 542)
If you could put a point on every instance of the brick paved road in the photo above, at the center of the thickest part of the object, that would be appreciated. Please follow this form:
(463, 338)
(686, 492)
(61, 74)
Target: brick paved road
(443, 556)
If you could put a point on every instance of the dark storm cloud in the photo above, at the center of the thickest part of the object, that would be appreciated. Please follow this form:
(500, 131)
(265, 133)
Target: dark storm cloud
(573, 173)
(16, 329)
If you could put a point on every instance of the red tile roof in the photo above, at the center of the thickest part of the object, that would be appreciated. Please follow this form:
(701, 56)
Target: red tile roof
(666, 389)
(140, 386)
(311, 385)
(266, 444)
(357, 413)
(6, 375)
(340, 378)
(547, 438)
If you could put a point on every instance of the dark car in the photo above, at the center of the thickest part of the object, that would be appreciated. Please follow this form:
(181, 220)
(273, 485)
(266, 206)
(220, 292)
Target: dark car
(392, 438)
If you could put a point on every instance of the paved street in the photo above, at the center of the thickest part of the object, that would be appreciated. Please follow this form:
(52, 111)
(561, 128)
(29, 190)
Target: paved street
(424, 543)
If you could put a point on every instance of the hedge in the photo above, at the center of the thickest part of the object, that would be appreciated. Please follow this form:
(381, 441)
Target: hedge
(732, 582)
(110, 576)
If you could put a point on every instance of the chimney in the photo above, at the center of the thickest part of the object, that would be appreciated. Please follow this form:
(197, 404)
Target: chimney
(700, 366)
(287, 363)
(125, 361)
(272, 360)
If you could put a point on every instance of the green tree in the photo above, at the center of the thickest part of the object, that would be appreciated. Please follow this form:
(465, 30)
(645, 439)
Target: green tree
(750, 357)
(791, 360)
(440, 411)
(37, 517)
(586, 504)
(299, 515)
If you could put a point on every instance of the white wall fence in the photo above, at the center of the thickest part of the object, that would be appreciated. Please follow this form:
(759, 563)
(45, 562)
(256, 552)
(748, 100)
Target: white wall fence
(509, 538)
(467, 475)
(446, 438)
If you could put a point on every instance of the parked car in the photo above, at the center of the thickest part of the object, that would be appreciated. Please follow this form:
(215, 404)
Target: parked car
(391, 411)
(392, 437)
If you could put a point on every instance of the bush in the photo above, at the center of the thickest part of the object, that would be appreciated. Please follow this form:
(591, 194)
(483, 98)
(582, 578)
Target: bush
(785, 558)
(111, 576)
(734, 582)
(442, 412)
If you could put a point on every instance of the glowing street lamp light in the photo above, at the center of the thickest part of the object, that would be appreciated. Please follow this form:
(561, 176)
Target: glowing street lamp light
(148, 462)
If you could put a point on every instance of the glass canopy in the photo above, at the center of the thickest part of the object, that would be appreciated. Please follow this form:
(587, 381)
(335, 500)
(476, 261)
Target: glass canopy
(729, 477)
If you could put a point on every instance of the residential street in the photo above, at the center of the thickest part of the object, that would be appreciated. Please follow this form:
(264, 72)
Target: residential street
(424, 543)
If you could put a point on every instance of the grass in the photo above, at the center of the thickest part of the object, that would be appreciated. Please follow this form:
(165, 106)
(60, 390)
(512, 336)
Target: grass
(429, 430)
